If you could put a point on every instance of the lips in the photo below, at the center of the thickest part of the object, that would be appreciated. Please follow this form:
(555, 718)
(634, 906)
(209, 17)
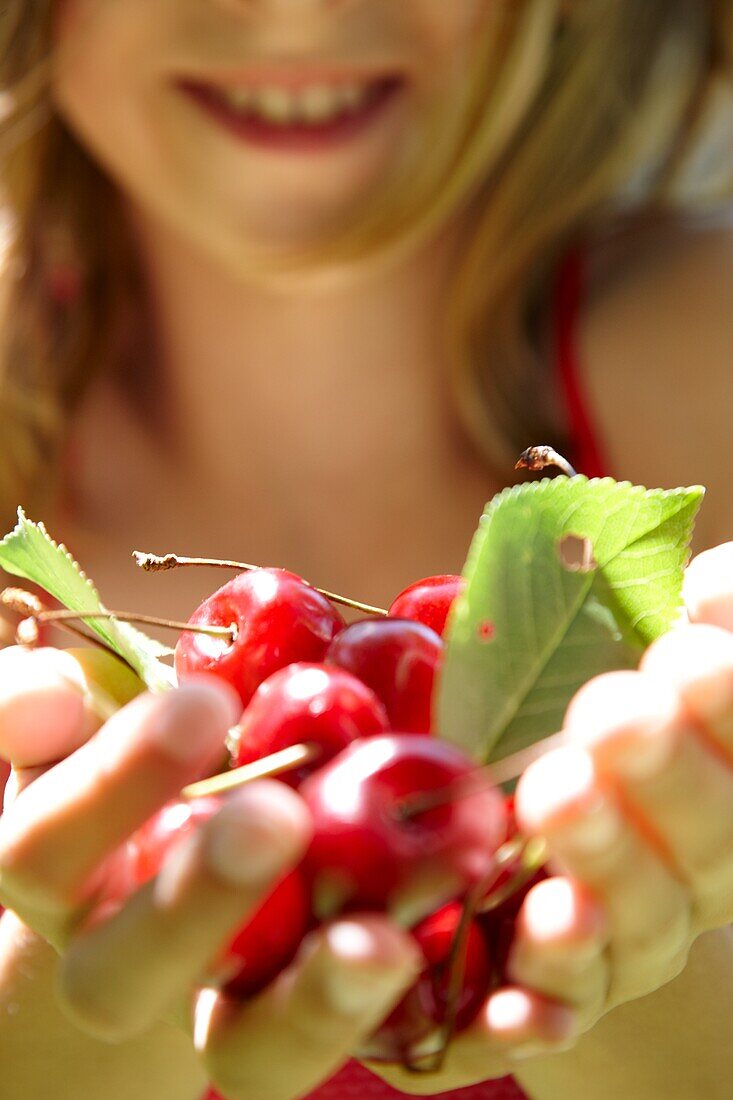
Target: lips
(294, 114)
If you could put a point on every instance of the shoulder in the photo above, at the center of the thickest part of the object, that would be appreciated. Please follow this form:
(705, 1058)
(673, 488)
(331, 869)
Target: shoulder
(656, 344)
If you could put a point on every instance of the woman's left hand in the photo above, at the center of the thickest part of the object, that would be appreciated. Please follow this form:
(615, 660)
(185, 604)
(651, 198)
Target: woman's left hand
(637, 812)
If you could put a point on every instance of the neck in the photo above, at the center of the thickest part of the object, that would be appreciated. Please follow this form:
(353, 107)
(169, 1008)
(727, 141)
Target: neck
(318, 368)
(328, 399)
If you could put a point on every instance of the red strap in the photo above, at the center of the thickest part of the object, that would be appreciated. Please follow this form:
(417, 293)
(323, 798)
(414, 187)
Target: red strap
(588, 451)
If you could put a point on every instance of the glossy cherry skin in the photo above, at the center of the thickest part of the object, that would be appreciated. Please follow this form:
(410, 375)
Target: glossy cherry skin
(265, 943)
(278, 619)
(428, 601)
(398, 659)
(365, 853)
(425, 1005)
(271, 939)
(312, 704)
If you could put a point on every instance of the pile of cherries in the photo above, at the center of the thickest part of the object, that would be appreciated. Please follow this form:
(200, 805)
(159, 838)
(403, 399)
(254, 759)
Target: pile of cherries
(360, 695)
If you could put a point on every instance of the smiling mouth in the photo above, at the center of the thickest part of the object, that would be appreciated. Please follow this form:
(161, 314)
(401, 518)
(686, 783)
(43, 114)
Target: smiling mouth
(302, 115)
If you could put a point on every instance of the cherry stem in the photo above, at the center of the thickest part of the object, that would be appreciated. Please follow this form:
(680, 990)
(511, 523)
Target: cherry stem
(472, 904)
(33, 609)
(542, 456)
(229, 633)
(284, 760)
(457, 969)
(492, 775)
(160, 563)
(532, 851)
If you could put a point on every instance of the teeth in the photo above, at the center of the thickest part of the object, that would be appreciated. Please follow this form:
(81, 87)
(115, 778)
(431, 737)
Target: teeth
(315, 104)
(352, 96)
(241, 98)
(319, 103)
(275, 104)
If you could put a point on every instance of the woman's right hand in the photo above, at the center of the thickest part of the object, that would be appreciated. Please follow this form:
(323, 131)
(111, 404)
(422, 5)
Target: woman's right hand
(79, 789)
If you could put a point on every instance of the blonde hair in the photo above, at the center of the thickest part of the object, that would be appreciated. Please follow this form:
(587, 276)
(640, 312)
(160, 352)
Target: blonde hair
(580, 113)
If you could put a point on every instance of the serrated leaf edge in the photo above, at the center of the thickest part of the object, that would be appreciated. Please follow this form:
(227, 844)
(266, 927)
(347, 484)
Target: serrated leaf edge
(124, 630)
(690, 493)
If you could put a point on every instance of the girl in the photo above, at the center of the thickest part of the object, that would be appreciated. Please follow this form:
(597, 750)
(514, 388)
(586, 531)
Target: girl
(283, 278)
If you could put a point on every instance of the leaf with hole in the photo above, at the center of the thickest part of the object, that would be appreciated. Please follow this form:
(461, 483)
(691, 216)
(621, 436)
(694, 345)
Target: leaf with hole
(566, 578)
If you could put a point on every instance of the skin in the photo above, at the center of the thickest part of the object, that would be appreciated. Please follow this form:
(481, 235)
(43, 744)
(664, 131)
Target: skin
(263, 203)
(365, 392)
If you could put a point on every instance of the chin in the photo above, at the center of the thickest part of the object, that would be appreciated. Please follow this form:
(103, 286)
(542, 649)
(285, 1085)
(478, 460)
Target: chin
(286, 260)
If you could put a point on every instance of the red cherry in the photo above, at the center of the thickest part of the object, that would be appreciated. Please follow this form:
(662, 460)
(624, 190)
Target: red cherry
(270, 940)
(266, 942)
(366, 853)
(398, 660)
(148, 847)
(428, 601)
(425, 1005)
(277, 618)
(308, 703)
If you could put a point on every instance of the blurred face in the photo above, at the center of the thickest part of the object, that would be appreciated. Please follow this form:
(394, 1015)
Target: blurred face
(259, 126)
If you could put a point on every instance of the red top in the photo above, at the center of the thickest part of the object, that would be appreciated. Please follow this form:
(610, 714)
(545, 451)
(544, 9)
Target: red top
(353, 1082)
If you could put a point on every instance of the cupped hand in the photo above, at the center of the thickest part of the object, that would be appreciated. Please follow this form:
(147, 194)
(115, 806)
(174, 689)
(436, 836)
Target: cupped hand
(79, 790)
(637, 813)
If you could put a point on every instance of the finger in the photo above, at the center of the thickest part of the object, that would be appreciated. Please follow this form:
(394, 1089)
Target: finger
(558, 947)
(638, 733)
(61, 828)
(560, 798)
(44, 712)
(295, 1034)
(708, 587)
(122, 974)
(698, 660)
(514, 1023)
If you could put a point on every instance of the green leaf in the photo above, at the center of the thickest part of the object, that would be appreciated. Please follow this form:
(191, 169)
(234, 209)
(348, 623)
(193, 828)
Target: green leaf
(29, 552)
(535, 622)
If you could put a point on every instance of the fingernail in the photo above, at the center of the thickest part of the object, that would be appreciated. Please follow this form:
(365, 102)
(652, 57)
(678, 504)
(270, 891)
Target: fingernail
(554, 788)
(514, 1015)
(259, 833)
(191, 722)
(540, 1050)
(596, 829)
(369, 966)
(697, 659)
(560, 914)
(626, 722)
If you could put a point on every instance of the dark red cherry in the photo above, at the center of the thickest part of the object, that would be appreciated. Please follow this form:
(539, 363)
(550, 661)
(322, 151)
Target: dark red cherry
(271, 939)
(425, 1005)
(428, 601)
(308, 703)
(148, 846)
(398, 660)
(277, 619)
(367, 852)
(266, 942)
